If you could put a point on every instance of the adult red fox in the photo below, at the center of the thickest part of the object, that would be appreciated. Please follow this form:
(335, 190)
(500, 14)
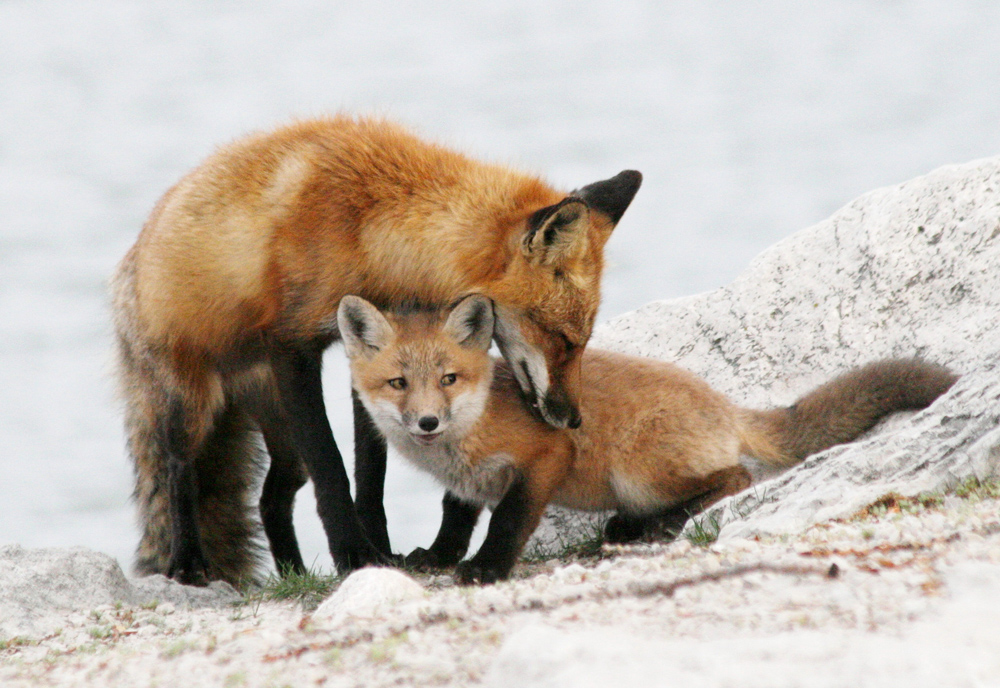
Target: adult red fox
(229, 297)
(656, 438)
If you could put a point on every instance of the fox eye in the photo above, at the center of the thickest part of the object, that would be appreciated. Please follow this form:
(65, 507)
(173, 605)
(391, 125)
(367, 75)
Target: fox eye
(449, 379)
(398, 383)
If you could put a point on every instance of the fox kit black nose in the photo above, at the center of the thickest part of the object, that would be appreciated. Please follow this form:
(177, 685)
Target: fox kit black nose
(428, 423)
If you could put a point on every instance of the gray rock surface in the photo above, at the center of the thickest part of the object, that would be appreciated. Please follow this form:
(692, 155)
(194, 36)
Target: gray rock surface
(38, 587)
(907, 270)
(956, 646)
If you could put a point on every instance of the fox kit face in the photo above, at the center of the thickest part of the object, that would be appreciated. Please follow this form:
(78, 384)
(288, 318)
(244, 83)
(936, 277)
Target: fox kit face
(422, 381)
(547, 305)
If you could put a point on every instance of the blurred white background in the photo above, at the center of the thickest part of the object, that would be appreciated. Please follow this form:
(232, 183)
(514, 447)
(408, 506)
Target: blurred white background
(749, 121)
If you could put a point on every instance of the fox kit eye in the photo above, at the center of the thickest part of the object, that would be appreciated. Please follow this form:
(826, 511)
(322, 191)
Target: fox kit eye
(449, 379)
(398, 383)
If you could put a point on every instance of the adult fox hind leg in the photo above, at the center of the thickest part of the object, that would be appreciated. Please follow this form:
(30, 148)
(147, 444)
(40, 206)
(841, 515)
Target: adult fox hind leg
(187, 563)
(195, 459)
(209, 461)
(285, 476)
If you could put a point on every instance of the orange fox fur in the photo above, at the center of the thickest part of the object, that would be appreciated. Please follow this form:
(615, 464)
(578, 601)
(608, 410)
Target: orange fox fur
(655, 437)
(229, 296)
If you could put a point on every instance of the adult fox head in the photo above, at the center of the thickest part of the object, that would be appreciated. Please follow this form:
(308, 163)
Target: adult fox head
(423, 376)
(548, 300)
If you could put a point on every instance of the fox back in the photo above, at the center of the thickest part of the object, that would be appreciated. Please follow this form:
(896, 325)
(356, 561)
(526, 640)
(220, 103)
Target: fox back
(272, 230)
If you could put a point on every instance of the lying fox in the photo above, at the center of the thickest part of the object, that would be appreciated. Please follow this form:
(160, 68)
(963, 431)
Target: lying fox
(656, 438)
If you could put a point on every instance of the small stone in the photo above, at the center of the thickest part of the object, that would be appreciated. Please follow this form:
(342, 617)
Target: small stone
(368, 593)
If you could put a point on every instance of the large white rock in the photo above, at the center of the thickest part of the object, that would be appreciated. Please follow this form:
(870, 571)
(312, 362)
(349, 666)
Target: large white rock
(902, 271)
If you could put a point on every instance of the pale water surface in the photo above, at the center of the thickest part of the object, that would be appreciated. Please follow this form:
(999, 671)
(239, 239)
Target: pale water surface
(749, 122)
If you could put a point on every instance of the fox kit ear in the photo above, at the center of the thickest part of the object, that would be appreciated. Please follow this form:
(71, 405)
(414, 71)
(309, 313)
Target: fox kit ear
(470, 322)
(612, 196)
(557, 232)
(363, 328)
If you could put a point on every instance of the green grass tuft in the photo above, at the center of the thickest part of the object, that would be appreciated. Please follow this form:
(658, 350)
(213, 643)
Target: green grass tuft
(706, 526)
(704, 529)
(975, 489)
(578, 545)
(308, 589)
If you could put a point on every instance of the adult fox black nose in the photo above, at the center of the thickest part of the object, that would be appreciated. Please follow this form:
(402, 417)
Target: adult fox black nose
(428, 423)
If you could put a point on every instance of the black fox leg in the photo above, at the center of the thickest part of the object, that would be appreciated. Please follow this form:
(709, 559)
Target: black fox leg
(304, 417)
(504, 539)
(187, 558)
(369, 476)
(669, 522)
(721, 483)
(623, 527)
(452, 542)
(285, 476)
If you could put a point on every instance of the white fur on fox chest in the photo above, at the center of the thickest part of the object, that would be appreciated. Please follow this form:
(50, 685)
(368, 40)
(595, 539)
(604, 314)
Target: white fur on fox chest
(484, 482)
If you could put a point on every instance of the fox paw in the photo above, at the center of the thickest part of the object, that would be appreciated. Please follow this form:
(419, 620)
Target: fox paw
(622, 529)
(430, 559)
(191, 570)
(422, 559)
(470, 573)
(350, 559)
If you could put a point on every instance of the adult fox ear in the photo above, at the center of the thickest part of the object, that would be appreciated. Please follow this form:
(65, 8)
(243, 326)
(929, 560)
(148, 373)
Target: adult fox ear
(470, 322)
(363, 328)
(612, 196)
(558, 231)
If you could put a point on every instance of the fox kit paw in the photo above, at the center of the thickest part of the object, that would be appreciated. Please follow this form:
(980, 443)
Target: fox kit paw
(621, 529)
(470, 573)
(429, 559)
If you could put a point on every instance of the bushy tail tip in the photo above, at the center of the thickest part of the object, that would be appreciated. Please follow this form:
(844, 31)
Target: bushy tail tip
(844, 408)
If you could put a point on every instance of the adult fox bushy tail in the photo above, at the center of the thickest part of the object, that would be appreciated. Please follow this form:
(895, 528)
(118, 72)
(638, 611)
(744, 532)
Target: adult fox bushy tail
(226, 302)
(656, 440)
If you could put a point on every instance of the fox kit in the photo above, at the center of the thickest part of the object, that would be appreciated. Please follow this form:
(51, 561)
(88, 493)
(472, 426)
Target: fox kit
(228, 299)
(655, 438)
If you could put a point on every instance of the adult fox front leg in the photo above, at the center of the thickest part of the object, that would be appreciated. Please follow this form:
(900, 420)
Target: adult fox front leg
(227, 300)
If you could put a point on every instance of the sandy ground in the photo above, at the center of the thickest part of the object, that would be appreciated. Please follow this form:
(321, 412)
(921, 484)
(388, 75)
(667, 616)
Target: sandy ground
(900, 593)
